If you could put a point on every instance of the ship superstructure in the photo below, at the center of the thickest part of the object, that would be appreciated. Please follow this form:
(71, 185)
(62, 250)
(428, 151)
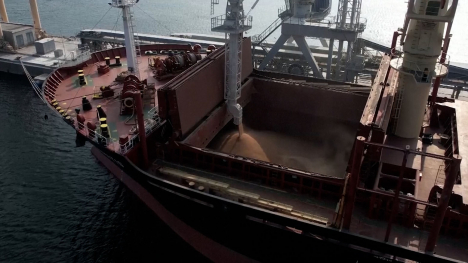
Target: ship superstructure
(316, 169)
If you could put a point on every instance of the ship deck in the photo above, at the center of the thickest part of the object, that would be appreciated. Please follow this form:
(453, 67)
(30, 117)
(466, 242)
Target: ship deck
(428, 167)
(69, 94)
(461, 111)
(431, 167)
(411, 238)
(323, 209)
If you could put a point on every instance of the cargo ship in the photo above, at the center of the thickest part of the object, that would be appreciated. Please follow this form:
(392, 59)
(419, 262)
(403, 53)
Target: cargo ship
(248, 165)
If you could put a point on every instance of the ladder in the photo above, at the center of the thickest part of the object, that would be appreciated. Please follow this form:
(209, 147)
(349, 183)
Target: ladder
(149, 96)
(229, 71)
(258, 39)
(213, 3)
(137, 43)
(440, 178)
(397, 105)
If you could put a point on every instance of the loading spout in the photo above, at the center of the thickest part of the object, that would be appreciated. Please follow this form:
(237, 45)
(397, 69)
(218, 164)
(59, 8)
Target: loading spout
(234, 23)
(236, 110)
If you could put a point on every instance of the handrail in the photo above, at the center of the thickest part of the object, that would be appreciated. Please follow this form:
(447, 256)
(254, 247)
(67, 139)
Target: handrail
(267, 32)
(296, 21)
(431, 155)
(126, 147)
(153, 111)
(413, 68)
(82, 57)
(402, 197)
(360, 26)
(218, 21)
(149, 128)
(122, 2)
(445, 57)
(98, 138)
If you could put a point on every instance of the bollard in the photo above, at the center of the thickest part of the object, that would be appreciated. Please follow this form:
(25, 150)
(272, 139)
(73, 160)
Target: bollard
(86, 104)
(104, 130)
(100, 112)
(81, 77)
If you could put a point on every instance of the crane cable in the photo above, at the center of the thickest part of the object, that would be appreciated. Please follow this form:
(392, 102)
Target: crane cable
(102, 18)
(35, 87)
(32, 82)
(252, 8)
(154, 19)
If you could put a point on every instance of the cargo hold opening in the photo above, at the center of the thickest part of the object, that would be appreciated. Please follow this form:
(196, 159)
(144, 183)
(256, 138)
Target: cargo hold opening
(297, 126)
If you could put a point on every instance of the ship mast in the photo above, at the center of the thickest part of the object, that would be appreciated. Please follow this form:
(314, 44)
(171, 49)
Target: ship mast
(128, 25)
(234, 23)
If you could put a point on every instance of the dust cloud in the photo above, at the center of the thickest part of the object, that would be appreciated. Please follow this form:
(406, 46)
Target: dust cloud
(325, 150)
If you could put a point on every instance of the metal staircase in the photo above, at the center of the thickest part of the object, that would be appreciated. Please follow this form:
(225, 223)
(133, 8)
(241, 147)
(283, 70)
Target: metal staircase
(425, 217)
(258, 39)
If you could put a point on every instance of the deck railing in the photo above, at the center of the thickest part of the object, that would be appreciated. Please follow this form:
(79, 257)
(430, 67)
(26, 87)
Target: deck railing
(218, 21)
(98, 138)
(150, 127)
(420, 74)
(80, 58)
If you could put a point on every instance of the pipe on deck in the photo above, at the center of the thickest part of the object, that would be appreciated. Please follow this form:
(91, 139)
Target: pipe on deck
(353, 182)
(141, 127)
(1, 32)
(396, 198)
(330, 58)
(443, 203)
(35, 15)
(3, 11)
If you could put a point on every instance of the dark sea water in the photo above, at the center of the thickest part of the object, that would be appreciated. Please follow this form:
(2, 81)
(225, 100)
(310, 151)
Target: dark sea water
(57, 204)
